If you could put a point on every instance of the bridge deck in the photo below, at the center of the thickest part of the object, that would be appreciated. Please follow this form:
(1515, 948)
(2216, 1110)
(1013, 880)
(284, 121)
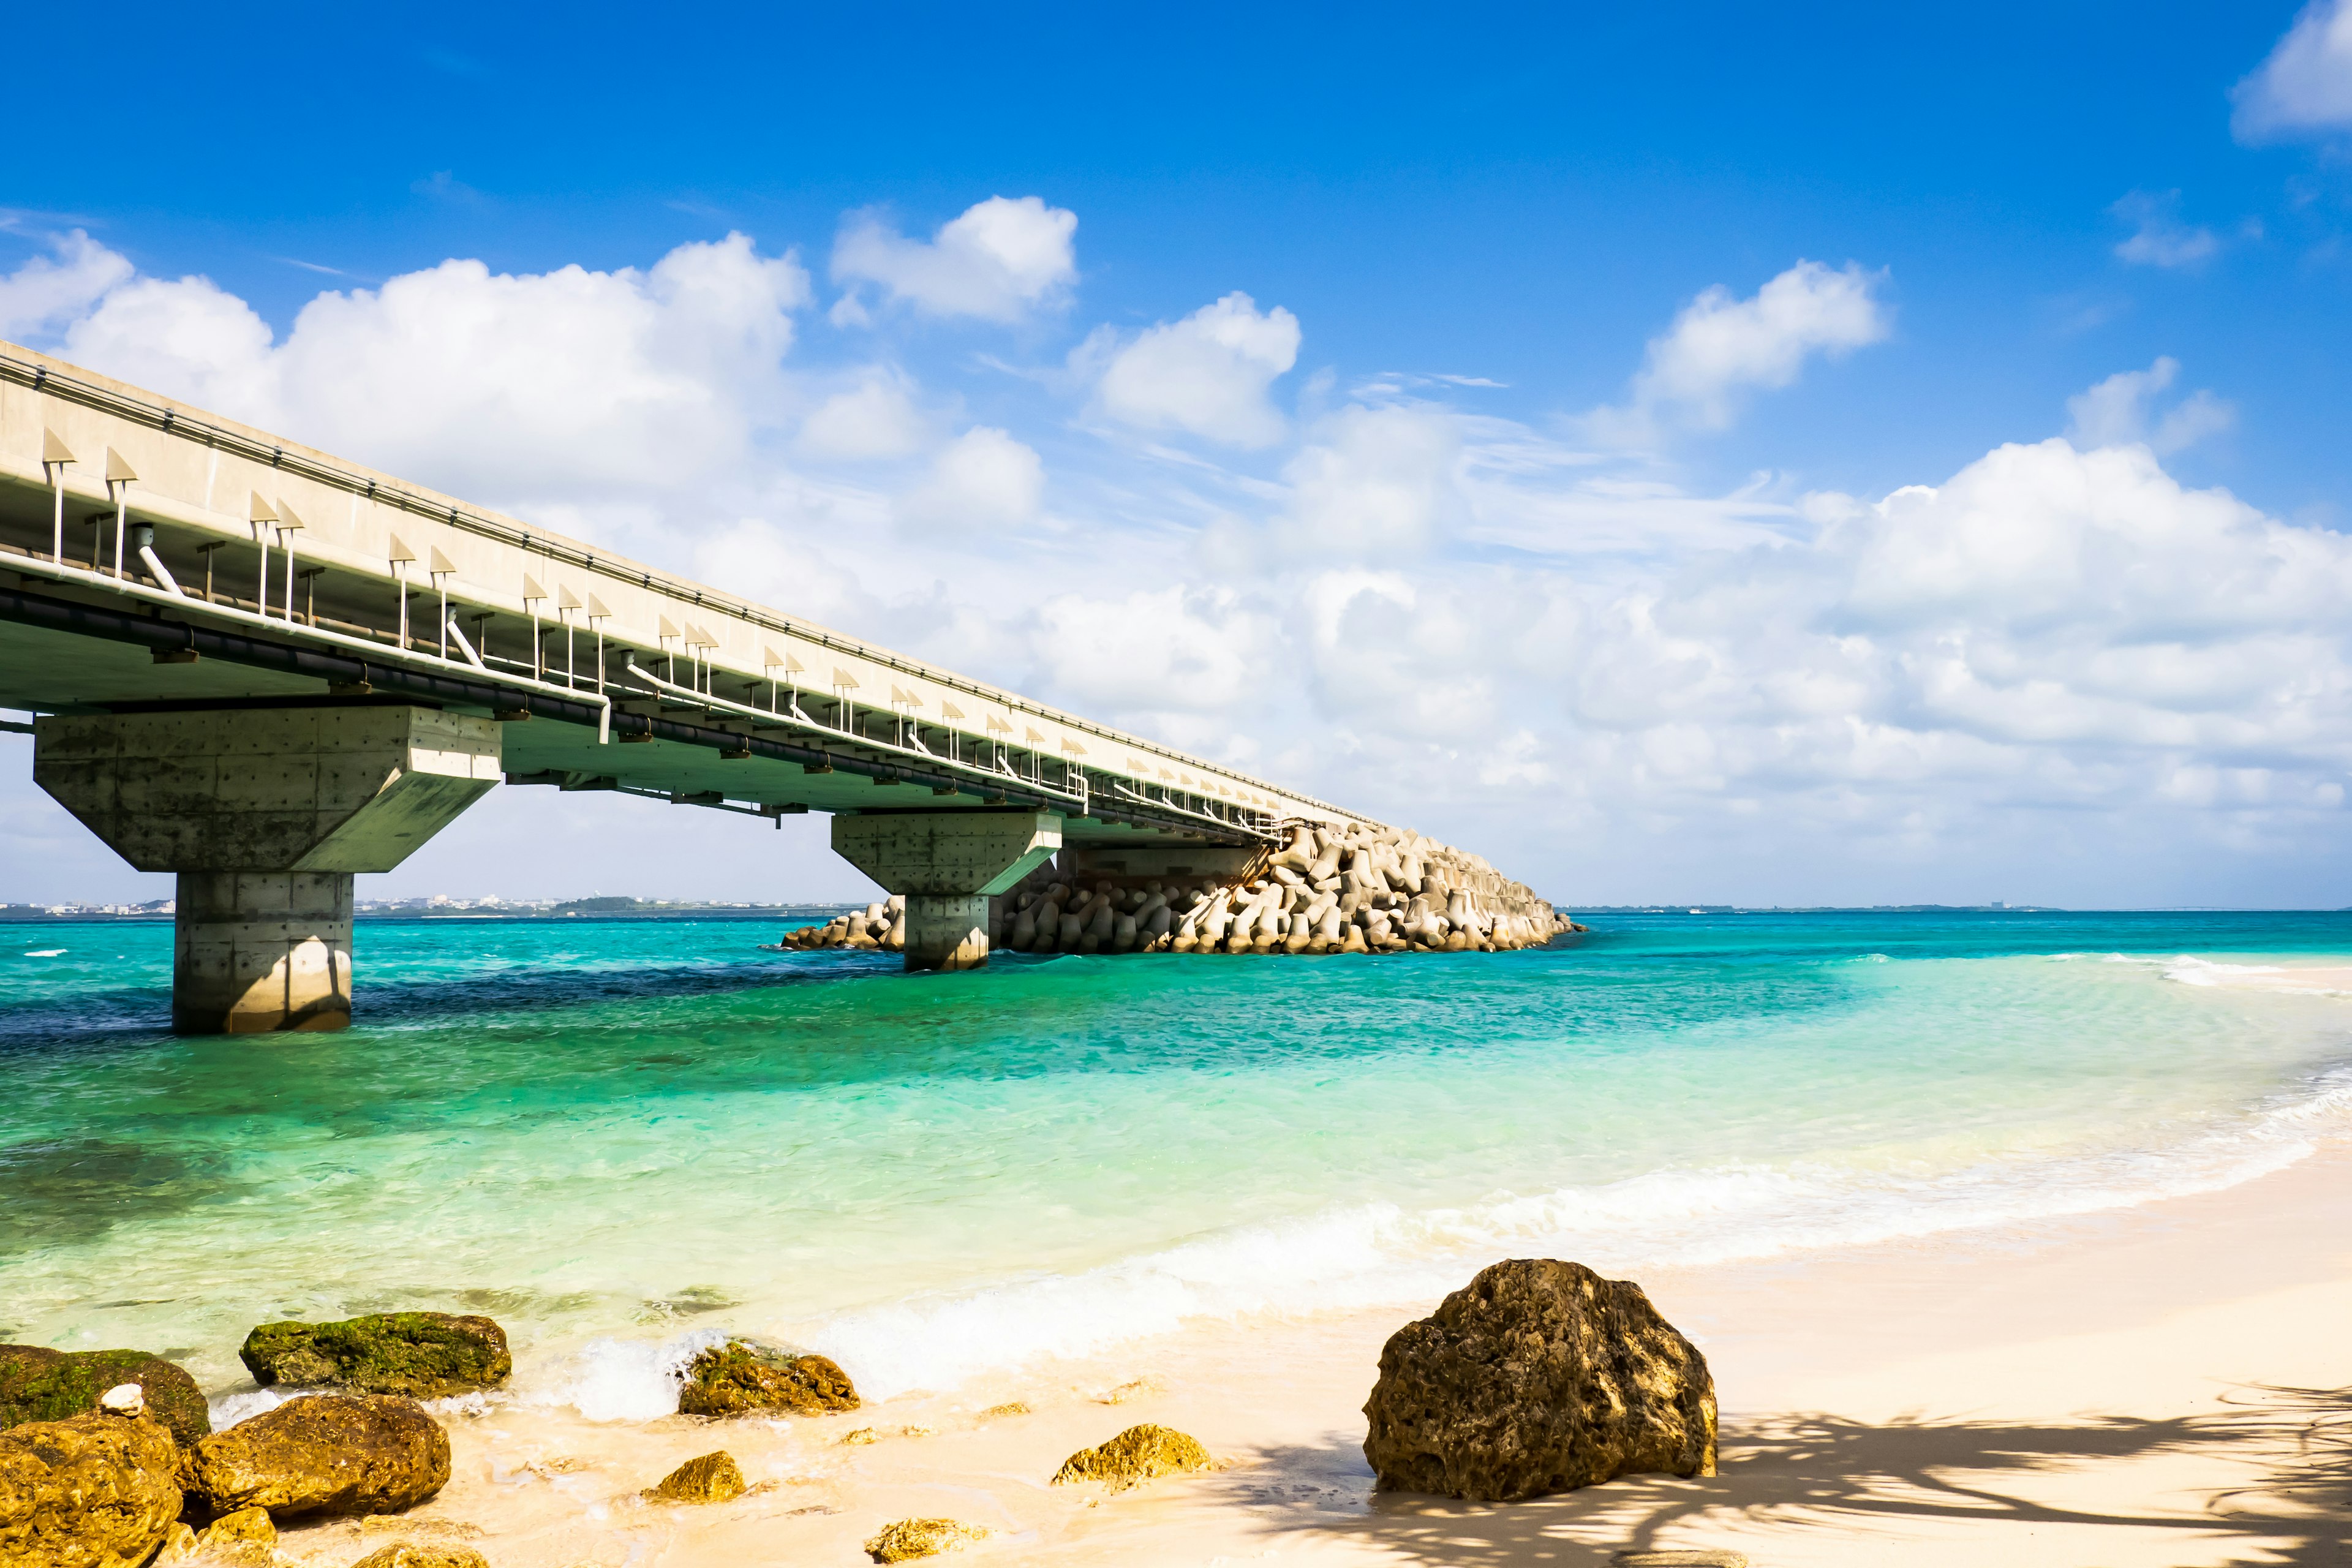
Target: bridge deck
(631, 679)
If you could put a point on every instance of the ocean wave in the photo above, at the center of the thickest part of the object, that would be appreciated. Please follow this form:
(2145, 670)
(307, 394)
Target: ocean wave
(1376, 1254)
(619, 1380)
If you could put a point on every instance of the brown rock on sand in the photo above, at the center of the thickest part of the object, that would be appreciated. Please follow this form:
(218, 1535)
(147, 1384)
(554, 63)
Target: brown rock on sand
(1538, 1376)
(713, 1478)
(739, 1377)
(246, 1539)
(415, 1554)
(910, 1538)
(1134, 1456)
(326, 1452)
(425, 1355)
(89, 1491)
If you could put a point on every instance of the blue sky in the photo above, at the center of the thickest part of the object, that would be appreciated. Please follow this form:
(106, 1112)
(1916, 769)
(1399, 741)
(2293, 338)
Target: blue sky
(1537, 489)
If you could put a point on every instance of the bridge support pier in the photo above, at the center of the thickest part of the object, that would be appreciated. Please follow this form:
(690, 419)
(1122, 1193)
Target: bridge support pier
(265, 813)
(948, 864)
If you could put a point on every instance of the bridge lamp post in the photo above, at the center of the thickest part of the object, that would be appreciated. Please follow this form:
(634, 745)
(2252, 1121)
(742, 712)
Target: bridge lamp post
(440, 568)
(953, 715)
(118, 474)
(54, 455)
(597, 613)
(289, 524)
(400, 555)
(263, 517)
(565, 602)
(531, 595)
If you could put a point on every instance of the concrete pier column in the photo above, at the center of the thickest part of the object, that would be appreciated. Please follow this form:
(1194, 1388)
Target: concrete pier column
(266, 812)
(948, 864)
(256, 951)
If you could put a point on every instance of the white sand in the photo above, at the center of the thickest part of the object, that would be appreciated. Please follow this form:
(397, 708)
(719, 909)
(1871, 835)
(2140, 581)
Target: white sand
(2169, 1386)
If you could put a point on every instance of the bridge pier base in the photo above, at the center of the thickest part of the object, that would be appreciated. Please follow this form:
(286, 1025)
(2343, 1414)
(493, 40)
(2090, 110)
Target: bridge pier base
(265, 812)
(256, 951)
(948, 864)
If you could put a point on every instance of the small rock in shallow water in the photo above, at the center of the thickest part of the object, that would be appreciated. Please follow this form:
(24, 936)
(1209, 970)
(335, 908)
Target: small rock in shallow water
(38, 1384)
(997, 1412)
(1538, 1376)
(415, 1554)
(1682, 1557)
(911, 1538)
(713, 1478)
(1134, 1456)
(90, 1491)
(326, 1452)
(425, 1355)
(739, 1378)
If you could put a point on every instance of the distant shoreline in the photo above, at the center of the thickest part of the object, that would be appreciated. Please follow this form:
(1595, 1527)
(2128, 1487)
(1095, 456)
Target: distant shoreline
(715, 912)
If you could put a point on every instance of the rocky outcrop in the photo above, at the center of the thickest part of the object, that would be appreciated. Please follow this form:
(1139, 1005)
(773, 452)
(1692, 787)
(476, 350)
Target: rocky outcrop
(1538, 1376)
(713, 1478)
(739, 1378)
(94, 1490)
(38, 1384)
(416, 1554)
(246, 1539)
(907, 1539)
(325, 1453)
(1134, 1456)
(425, 1355)
(1330, 887)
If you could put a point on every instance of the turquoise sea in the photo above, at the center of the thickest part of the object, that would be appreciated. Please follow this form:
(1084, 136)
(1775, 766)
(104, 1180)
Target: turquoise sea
(621, 1138)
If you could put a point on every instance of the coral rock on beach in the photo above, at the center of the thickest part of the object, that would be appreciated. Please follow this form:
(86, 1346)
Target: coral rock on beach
(325, 1453)
(415, 1554)
(1538, 1376)
(712, 1478)
(1134, 1456)
(739, 1378)
(911, 1538)
(90, 1491)
(425, 1355)
(38, 1384)
(246, 1539)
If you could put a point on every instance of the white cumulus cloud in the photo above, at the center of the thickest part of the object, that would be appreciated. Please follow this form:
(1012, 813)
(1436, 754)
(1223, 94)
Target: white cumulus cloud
(982, 480)
(48, 291)
(998, 260)
(877, 419)
(482, 381)
(1174, 649)
(1207, 375)
(1721, 346)
(2306, 84)
(2122, 409)
(1374, 483)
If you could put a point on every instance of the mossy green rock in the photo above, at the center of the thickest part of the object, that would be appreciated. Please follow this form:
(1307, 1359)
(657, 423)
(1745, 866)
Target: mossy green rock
(423, 1355)
(38, 1384)
(739, 1378)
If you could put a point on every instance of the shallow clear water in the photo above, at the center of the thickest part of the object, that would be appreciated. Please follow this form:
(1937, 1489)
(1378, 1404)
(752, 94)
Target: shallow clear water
(612, 1135)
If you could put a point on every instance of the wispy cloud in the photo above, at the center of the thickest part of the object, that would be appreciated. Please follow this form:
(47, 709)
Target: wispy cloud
(2158, 237)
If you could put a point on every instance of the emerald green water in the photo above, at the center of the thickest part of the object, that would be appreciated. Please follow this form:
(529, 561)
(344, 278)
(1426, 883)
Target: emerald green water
(618, 1136)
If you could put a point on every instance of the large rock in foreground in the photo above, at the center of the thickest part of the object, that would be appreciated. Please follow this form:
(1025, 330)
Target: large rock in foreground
(325, 1453)
(739, 1378)
(423, 1355)
(38, 1384)
(92, 1491)
(1538, 1376)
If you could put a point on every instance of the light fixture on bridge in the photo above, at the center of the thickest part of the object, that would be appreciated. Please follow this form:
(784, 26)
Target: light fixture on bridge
(566, 601)
(54, 455)
(772, 661)
(598, 613)
(289, 524)
(531, 595)
(263, 516)
(440, 568)
(118, 474)
(401, 557)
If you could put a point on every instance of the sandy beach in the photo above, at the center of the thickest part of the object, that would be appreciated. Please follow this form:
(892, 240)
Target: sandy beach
(2168, 1384)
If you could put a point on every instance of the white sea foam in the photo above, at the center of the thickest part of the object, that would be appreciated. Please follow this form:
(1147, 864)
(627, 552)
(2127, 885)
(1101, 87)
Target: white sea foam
(621, 1380)
(1376, 1254)
(243, 1405)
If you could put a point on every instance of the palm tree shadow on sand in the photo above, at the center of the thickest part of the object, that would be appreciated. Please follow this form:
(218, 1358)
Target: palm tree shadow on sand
(2291, 1449)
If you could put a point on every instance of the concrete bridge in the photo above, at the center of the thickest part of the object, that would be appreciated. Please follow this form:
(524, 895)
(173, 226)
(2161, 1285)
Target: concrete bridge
(265, 669)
